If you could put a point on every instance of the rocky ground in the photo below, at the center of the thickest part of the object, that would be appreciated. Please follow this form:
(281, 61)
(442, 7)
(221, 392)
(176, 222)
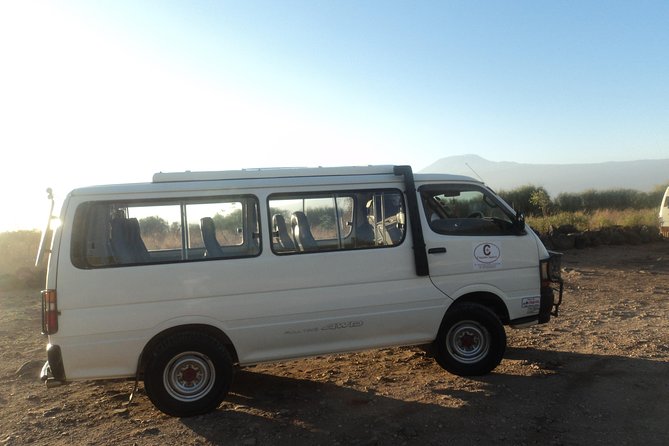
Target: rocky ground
(598, 374)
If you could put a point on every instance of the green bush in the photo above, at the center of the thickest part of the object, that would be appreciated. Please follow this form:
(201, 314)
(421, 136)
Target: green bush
(535, 201)
(522, 200)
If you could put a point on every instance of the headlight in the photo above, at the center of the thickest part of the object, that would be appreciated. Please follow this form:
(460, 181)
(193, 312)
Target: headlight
(551, 268)
(555, 266)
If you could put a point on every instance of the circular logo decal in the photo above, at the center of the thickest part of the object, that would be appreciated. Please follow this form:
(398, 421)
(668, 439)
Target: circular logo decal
(487, 253)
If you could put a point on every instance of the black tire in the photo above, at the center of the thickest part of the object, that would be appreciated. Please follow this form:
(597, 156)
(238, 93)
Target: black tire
(187, 374)
(471, 340)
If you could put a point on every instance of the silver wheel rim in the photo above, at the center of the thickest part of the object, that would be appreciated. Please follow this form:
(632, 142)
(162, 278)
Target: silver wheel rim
(468, 342)
(189, 376)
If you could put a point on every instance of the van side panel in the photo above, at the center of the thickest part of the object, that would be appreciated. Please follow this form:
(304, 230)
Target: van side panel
(271, 306)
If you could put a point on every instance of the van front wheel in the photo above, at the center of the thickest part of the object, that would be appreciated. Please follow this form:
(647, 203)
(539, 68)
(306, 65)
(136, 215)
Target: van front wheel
(188, 374)
(471, 340)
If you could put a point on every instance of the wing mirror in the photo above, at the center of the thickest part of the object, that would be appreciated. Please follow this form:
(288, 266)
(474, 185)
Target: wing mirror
(519, 222)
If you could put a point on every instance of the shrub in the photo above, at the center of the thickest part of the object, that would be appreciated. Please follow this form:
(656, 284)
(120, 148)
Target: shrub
(521, 199)
(599, 219)
(534, 200)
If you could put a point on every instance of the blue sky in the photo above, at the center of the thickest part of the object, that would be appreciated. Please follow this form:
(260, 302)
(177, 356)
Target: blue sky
(112, 91)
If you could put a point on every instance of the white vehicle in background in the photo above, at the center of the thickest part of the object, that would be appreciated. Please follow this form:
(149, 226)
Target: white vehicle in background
(664, 214)
(178, 281)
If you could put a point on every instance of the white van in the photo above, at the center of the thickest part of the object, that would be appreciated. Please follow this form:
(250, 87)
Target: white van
(178, 281)
(664, 214)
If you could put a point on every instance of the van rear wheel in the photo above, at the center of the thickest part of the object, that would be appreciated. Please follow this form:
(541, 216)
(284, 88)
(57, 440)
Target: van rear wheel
(471, 340)
(188, 374)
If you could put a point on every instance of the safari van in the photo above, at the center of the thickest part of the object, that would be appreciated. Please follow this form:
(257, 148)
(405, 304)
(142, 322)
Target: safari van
(664, 214)
(180, 281)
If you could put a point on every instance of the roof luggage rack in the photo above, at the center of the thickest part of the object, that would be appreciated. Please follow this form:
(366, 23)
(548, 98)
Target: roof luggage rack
(275, 172)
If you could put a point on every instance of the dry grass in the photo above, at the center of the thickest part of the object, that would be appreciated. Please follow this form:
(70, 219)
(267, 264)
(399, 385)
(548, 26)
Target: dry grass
(172, 240)
(597, 219)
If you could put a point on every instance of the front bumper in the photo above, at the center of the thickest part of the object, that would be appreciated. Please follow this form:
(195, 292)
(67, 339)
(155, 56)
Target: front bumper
(551, 283)
(549, 304)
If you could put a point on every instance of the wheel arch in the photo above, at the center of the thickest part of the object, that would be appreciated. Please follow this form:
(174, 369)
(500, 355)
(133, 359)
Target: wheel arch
(488, 300)
(212, 331)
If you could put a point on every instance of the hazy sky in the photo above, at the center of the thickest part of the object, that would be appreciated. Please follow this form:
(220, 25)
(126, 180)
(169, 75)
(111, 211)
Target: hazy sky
(113, 91)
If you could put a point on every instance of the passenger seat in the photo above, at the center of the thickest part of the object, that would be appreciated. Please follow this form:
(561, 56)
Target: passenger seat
(302, 232)
(208, 229)
(126, 241)
(285, 241)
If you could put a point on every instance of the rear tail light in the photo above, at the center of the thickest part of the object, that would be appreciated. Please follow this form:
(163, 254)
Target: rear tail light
(49, 312)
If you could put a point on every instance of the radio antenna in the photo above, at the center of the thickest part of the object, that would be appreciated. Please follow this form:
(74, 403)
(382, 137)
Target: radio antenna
(475, 173)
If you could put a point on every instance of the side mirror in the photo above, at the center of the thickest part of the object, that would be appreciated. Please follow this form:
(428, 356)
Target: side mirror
(519, 222)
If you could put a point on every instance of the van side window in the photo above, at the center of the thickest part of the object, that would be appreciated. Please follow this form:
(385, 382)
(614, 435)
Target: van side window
(165, 231)
(465, 210)
(309, 222)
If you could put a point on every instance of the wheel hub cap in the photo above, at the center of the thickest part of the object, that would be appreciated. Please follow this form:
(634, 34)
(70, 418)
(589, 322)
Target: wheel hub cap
(468, 341)
(189, 376)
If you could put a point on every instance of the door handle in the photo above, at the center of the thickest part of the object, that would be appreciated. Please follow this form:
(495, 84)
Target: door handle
(439, 250)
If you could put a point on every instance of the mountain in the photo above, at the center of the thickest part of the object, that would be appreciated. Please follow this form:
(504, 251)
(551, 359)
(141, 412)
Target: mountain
(643, 175)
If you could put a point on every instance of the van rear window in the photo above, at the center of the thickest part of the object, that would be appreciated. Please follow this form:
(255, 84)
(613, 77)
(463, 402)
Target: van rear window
(147, 232)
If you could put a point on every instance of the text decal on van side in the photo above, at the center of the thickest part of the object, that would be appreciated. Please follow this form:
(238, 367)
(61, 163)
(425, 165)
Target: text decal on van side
(333, 326)
(487, 255)
(531, 304)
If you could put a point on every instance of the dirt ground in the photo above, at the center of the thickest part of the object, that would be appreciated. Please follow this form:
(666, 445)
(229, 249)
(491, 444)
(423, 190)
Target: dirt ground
(598, 374)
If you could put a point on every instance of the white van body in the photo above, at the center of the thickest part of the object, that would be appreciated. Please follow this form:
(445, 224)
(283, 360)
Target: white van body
(388, 263)
(664, 214)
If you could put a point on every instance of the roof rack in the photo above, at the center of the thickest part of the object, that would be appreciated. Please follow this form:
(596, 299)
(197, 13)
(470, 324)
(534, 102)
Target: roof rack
(274, 172)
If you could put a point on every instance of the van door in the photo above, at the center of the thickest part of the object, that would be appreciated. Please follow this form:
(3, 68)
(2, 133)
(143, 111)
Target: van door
(346, 282)
(473, 245)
